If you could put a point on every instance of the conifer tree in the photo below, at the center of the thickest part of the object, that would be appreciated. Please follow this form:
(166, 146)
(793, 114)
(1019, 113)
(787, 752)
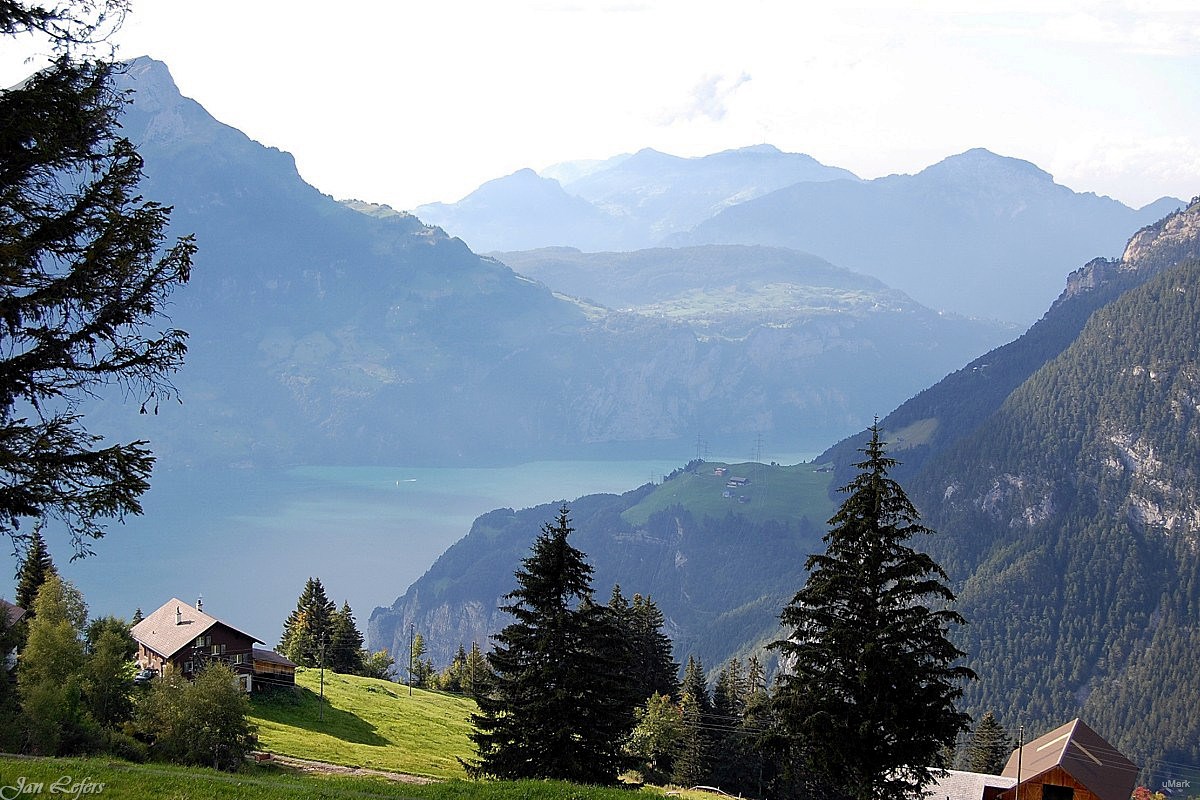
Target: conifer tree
(83, 279)
(868, 696)
(653, 665)
(344, 649)
(550, 712)
(477, 673)
(35, 568)
(307, 629)
(989, 748)
(693, 757)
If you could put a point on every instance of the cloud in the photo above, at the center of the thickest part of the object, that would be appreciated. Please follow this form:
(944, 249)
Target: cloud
(708, 99)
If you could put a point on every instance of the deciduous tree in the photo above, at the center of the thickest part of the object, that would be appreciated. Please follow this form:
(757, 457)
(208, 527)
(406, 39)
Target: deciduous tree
(49, 673)
(200, 722)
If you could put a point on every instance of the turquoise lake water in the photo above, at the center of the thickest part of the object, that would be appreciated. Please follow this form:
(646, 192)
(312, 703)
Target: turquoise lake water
(248, 539)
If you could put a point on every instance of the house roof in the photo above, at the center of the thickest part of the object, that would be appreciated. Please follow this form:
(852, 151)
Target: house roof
(166, 632)
(271, 656)
(1081, 752)
(958, 785)
(14, 612)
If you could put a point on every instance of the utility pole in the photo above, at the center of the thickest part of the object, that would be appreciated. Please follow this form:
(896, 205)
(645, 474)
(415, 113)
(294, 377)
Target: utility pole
(321, 704)
(1020, 747)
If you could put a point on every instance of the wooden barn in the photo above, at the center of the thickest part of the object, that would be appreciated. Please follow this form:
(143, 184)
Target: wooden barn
(1071, 762)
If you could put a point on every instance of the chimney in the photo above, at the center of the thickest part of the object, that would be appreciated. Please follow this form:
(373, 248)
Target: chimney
(178, 616)
(200, 603)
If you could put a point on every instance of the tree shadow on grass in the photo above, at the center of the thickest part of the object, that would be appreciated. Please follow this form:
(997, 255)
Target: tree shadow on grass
(302, 708)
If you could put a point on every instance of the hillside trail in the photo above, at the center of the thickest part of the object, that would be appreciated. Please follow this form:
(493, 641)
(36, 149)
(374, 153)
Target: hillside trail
(324, 768)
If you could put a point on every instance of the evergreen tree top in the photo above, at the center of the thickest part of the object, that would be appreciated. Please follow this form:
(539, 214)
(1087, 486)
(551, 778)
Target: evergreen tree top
(554, 574)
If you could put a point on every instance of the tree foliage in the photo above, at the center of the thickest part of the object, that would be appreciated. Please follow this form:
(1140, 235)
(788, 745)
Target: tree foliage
(201, 722)
(84, 276)
(990, 747)
(555, 709)
(306, 632)
(345, 651)
(36, 567)
(871, 682)
(49, 673)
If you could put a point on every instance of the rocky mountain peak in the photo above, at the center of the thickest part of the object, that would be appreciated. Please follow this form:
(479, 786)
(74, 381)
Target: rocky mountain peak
(1169, 241)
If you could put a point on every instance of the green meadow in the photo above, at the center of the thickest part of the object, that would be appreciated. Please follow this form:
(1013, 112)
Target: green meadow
(368, 723)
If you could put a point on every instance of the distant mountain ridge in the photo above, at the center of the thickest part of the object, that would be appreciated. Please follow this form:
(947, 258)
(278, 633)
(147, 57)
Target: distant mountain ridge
(333, 333)
(1060, 475)
(976, 233)
(627, 202)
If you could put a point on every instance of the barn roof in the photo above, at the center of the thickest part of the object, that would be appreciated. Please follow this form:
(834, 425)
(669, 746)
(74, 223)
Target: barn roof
(1082, 753)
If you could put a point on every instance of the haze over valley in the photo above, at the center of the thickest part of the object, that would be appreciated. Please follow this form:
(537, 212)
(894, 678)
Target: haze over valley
(687, 350)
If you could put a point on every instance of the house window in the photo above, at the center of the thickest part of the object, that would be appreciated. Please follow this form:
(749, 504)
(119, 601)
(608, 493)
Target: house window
(239, 658)
(203, 641)
(1052, 792)
(187, 666)
(218, 649)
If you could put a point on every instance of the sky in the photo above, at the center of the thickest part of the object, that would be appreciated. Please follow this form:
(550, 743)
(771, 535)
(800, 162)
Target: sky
(407, 103)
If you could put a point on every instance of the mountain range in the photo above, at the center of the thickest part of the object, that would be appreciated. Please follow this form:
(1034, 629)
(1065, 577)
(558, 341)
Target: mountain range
(1059, 472)
(327, 333)
(976, 234)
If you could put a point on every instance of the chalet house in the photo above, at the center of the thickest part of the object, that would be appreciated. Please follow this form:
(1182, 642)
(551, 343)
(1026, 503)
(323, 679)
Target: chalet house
(185, 639)
(1071, 762)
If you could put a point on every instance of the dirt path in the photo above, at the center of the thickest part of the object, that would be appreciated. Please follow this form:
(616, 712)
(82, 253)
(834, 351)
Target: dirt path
(322, 768)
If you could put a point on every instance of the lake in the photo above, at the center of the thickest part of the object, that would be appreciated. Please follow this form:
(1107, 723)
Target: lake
(248, 539)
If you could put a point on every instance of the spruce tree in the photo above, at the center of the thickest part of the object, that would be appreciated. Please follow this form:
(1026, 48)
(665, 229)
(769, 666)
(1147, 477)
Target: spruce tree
(477, 673)
(550, 712)
(693, 758)
(35, 568)
(307, 629)
(84, 279)
(654, 666)
(867, 697)
(990, 747)
(344, 649)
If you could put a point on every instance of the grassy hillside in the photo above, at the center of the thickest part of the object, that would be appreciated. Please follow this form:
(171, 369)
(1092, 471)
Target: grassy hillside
(121, 781)
(367, 723)
(773, 493)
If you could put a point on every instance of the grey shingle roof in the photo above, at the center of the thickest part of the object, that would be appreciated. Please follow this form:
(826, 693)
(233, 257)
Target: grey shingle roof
(166, 632)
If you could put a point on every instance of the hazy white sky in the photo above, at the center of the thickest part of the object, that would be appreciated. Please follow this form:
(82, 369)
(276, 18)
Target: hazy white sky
(406, 103)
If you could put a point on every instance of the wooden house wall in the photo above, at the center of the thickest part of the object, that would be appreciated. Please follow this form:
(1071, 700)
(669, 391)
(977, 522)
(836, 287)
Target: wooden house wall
(1031, 788)
(221, 644)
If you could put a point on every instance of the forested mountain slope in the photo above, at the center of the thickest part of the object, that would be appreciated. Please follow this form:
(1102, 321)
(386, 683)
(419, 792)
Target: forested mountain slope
(719, 568)
(1061, 474)
(1072, 519)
